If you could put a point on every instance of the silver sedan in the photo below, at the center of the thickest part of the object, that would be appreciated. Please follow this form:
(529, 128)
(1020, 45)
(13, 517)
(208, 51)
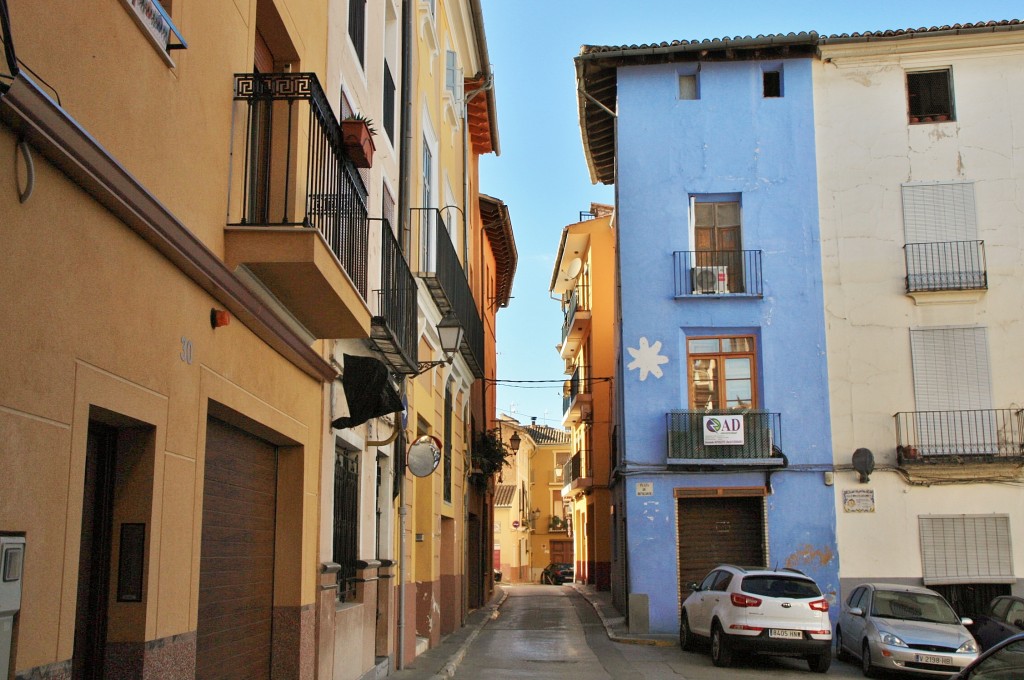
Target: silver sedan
(903, 628)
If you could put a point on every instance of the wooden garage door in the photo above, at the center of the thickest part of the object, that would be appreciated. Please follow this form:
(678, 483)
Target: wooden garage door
(561, 551)
(715, 531)
(236, 570)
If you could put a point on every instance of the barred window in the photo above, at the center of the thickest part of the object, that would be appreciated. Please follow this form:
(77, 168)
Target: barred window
(930, 96)
(357, 26)
(346, 520)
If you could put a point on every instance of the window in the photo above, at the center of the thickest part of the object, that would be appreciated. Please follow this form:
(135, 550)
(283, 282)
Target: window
(388, 115)
(721, 373)
(427, 237)
(346, 520)
(453, 77)
(357, 26)
(941, 231)
(772, 83)
(930, 96)
(951, 369)
(966, 549)
(688, 87)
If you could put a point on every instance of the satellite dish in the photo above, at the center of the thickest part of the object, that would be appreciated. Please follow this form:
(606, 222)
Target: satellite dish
(424, 456)
(572, 270)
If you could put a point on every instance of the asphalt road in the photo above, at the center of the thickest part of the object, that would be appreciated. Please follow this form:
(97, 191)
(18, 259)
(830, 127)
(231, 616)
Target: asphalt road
(543, 632)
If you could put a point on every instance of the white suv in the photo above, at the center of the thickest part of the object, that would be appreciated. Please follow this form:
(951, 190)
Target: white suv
(759, 611)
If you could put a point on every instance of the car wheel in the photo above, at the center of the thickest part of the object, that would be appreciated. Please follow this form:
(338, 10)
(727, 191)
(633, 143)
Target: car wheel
(685, 634)
(866, 666)
(840, 650)
(721, 652)
(820, 662)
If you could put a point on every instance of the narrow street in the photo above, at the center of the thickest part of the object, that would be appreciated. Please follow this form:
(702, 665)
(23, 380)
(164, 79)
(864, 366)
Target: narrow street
(543, 632)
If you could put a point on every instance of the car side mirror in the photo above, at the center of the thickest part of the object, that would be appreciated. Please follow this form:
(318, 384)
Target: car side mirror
(967, 621)
(1019, 623)
(856, 611)
(693, 586)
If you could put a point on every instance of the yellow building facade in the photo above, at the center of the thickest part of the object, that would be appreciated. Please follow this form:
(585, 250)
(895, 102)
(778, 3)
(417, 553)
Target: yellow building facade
(219, 325)
(584, 278)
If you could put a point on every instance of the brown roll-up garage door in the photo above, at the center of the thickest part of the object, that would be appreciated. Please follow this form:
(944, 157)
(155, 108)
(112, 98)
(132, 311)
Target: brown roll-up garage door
(236, 571)
(715, 531)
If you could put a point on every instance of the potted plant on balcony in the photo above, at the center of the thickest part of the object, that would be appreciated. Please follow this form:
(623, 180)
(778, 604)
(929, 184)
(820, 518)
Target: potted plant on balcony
(556, 524)
(489, 455)
(357, 133)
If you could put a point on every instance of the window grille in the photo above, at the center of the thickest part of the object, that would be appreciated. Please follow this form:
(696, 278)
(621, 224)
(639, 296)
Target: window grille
(346, 521)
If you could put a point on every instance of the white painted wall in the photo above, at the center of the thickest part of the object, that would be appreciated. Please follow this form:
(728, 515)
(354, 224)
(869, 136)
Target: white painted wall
(865, 150)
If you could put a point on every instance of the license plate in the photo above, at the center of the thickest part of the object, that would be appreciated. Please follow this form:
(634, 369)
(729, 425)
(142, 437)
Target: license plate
(789, 634)
(936, 660)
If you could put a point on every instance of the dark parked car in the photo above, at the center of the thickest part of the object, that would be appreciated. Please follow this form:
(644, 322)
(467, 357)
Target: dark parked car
(1004, 661)
(557, 573)
(1003, 618)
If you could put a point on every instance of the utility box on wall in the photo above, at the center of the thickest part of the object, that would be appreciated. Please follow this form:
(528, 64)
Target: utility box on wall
(12, 562)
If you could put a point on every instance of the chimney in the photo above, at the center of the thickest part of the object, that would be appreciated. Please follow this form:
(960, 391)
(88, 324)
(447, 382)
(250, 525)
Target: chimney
(533, 421)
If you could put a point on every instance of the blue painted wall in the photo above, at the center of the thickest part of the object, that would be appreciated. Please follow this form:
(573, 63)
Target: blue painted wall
(732, 140)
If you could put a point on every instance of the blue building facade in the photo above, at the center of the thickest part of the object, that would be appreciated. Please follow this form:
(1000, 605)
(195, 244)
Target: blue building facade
(725, 450)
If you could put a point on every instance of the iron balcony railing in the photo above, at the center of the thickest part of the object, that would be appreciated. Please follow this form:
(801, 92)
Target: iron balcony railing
(577, 302)
(572, 470)
(951, 265)
(573, 388)
(314, 185)
(717, 272)
(450, 289)
(964, 436)
(394, 329)
(716, 437)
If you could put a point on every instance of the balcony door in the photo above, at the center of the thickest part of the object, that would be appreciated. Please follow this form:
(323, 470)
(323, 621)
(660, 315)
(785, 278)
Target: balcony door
(717, 240)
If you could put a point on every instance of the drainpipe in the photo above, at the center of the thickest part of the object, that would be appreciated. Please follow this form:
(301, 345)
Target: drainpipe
(408, 32)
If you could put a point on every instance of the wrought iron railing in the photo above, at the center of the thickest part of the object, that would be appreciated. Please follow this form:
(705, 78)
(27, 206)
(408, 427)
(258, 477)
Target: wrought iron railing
(573, 470)
(695, 436)
(717, 272)
(969, 436)
(951, 265)
(577, 301)
(397, 302)
(450, 287)
(314, 185)
(573, 388)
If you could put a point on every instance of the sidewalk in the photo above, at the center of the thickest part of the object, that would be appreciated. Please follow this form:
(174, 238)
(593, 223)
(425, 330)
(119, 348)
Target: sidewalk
(442, 661)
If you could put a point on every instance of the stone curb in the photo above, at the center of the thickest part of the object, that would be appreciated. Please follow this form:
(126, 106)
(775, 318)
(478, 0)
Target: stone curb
(448, 670)
(609, 625)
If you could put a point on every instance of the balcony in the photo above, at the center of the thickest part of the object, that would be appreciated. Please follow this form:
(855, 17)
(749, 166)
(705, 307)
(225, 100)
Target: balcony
(724, 438)
(733, 273)
(301, 227)
(444, 277)
(577, 401)
(393, 331)
(575, 478)
(953, 265)
(959, 437)
(577, 322)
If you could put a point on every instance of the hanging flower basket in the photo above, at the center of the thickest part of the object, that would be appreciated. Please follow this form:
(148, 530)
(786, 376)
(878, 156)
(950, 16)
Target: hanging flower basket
(357, 140)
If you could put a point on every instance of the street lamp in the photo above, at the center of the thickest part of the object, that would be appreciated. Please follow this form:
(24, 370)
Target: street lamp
(449, 332)
(514, 441)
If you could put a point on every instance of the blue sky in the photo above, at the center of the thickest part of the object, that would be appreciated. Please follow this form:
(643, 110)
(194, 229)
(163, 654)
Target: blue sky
(541, 173)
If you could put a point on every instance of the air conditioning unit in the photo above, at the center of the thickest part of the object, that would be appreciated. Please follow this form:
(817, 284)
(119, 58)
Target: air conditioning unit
(709, 280)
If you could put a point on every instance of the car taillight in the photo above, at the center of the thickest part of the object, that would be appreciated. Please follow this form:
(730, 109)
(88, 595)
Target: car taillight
(741, 600)
(820, 605)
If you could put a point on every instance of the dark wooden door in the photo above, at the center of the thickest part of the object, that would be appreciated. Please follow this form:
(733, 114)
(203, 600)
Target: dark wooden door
(718, 243)
(561, 551)
(94, 557)
(236, 568)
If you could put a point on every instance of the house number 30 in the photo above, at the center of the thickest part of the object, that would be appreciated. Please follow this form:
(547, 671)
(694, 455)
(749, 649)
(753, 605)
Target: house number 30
(186, 350)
